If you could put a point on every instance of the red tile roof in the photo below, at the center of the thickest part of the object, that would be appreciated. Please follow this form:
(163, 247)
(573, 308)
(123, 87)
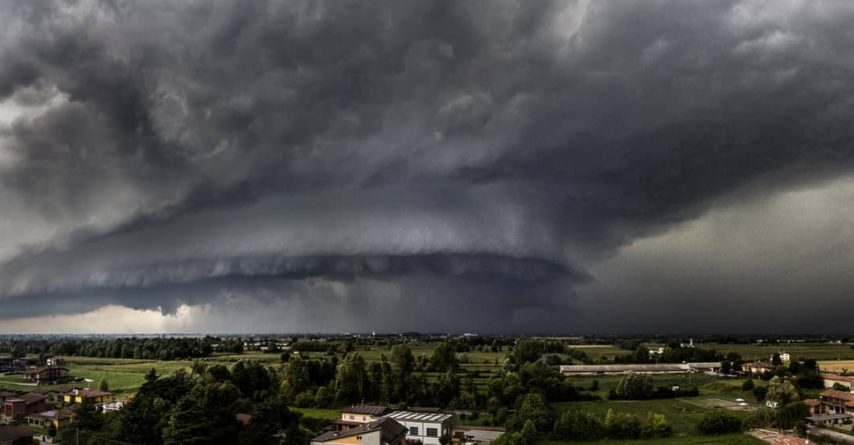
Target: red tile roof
(836, 394)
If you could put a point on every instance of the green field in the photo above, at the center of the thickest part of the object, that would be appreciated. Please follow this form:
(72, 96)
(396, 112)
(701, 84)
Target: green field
(317, 413)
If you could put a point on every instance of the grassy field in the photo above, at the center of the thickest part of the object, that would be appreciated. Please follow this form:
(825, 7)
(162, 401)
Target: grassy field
(317, 413)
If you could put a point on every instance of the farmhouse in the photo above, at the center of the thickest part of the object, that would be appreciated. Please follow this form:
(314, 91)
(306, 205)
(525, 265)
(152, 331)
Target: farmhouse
(425, 427)
(662, 368)
(80, 395)
(837, 402)
(359, 415)
(24, 405)
(830, 380)
(383, 431)
(757, 367)
(48, 375)
(14, 435)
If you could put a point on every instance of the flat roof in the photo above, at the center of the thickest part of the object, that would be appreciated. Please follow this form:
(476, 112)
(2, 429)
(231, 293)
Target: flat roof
(412, 416)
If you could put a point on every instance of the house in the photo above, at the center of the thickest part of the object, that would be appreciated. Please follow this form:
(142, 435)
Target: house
(662, 368)
(115, 405)
(6, 395)
(24, 405)
(58, 418)
(48, 375)
(426, 427)
(831, 380)
(813, 405)
(358, 415)
(757, 367)
(785, 357)
(80, 395)
(14, 435)
(383, 431)
(54, 361)
(837, 402)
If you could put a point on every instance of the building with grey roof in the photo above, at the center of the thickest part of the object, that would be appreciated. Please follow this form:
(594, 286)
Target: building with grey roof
(426, 427)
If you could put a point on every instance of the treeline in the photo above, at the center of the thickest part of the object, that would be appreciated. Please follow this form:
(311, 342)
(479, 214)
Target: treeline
(199, 407)
(138, 348)
(402, 379)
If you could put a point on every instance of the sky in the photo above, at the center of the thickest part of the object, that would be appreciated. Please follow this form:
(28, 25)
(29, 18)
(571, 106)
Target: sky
(474, 166)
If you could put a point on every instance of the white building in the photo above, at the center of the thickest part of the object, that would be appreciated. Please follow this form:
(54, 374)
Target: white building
(426, 427)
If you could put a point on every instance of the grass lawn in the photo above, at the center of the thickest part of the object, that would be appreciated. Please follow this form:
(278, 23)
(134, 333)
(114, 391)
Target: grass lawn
(729, 439)
(817, 351)
(317, 413)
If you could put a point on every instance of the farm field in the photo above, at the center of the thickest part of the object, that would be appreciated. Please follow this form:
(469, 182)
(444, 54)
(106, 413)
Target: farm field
(836, 365)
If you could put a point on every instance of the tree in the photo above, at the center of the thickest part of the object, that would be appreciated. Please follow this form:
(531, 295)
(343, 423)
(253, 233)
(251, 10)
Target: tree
(656, 426)
(535, 409)
(622, 425)
(718, 422)
(88, 418)
(747, 385)
(529, 433)
(776, 360)
(634, 386)
(578, 425)
(760, 392)
(103, 385)
(782, 391)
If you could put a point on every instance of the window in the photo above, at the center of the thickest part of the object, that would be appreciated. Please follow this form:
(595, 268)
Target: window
(364, 418)
(432, 432)
(351, 417)
(413, 431)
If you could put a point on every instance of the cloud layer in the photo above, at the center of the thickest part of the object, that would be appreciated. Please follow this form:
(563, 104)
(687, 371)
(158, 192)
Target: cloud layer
(477, 155)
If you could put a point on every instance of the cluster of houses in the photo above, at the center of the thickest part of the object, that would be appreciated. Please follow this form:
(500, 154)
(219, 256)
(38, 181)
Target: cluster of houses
(40, 410)
(381, 425)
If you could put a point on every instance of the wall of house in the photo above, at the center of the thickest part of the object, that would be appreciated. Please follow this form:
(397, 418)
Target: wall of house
(441, 429)
(353, 417)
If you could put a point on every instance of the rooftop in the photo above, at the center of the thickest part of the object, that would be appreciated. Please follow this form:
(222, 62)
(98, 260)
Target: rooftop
(420, 417)
(390, 430)
(10, 433)
(836, 394)
(371, 410)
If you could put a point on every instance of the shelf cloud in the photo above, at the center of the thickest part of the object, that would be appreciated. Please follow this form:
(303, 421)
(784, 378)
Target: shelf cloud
(480, 164)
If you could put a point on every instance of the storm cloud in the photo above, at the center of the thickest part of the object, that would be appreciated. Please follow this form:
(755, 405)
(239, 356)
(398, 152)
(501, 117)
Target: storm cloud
(321, 158)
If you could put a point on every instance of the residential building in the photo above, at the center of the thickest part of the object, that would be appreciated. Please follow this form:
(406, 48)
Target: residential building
(426, 427)
(15, 435)
(24, 405)
(383, 431)
(48, 375)
(837, 402)
(757, 367)
(57, 417)
(662, 368)
(358, 415)
(830, 380)
(115, 405)
(79, 395)
(6, 395)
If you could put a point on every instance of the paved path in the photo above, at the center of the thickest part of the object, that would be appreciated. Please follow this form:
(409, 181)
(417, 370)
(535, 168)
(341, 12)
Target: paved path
(833, 435)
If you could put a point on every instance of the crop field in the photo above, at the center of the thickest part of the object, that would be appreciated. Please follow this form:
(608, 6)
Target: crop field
(836, 365)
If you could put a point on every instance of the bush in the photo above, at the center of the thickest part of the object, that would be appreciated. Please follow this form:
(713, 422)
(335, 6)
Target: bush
(622, 425)
(656, 426)
(760, 392)
(748, 385)
(578, 425)
(634, 387)
(719, 422)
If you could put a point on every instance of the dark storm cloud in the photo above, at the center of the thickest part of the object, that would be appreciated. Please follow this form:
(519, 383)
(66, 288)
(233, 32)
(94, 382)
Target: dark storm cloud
(501, 144)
